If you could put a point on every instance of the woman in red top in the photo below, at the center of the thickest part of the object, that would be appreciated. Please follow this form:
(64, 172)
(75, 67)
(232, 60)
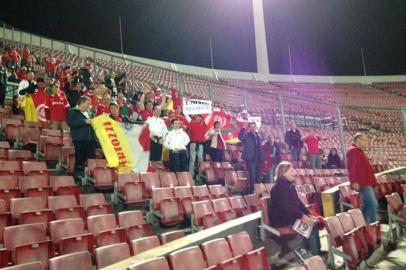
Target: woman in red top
(217, 143)
(104, 106)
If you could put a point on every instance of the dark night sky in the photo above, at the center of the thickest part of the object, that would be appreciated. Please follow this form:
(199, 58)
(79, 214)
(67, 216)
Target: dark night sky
(325, 36)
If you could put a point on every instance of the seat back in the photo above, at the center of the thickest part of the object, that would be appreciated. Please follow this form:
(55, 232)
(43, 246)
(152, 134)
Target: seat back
(157, 263)
(201, 209)
(240, 243)
(94, 199)
(145, 243)
(201, 192)
(26, 266)
(19, 205)
(217, 191)
(34, 167)
(357, 217)
(395, 202)
(171, 236)
(23, 234)
(151, 180)
(130, 218)
(185, 179)
(190, 258)
(315, 263)
(66, 228)
(34, 181)
(159, 194)
(346, 221)
(123, 178)
(8, 182)
(78, 260)
(99, 223)
(183, 192)
(216, 251)
(168, 179)
(61, 181)
(335, 230)
(111, 254)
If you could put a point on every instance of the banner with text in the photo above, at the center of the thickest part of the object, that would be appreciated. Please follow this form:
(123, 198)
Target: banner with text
(196, 106)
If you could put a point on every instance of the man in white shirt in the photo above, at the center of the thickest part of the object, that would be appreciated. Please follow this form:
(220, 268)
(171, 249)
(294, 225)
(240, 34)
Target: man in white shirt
(176, 141)
(158, 132)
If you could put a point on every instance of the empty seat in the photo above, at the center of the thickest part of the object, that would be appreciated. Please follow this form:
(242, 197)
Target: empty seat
(26, 266)
(359, 233)
(134, 224)
(239, 205)
(69, 236)
(78, 260)
(170, 236)
(157, 263)
(145, 243)
(30, 135)
(217, 191)
(374, 233)
(95, 204)
(20, 155)
(9, 188)
(190, 258)
(185, 195)
(236, 181)
(254, 202)
(105, 230)
(169, 207)
(65, 207)
(241, 244)
(168, 179)
(51, 147)
(51, 132)
(151, 180)
(204, 215)
(28, 243)
(9, 167)
(260, 190)
(11, 128)
(4, 256)
(349, 197)
(35, 168)
(111, 254)
(31, 210)
(185, 179)
(223, 208)
(35, 185)
(64, 185)
(218, 251)
(133, 190)
(201, 193)
(103, 177)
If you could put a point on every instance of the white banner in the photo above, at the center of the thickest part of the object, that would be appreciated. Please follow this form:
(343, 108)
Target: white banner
(256, 120)
(196, 106)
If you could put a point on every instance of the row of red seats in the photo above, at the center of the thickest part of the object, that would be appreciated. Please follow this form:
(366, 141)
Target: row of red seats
(396, 212)
(70, 235)
(313, 263)
(8, 167)
(357, 238)
(388, 184)
(135, 188)
(15, 186)
(235, 252)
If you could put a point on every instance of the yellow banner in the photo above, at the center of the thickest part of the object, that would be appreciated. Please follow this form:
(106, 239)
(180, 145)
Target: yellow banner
(114, 143)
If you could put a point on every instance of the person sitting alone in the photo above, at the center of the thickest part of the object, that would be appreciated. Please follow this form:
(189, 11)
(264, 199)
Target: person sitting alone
(333, 160)
(286, 206)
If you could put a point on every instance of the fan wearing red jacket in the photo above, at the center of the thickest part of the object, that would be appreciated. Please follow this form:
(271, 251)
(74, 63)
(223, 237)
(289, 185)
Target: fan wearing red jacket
(104, 106)
(362, 176)
(57, 107)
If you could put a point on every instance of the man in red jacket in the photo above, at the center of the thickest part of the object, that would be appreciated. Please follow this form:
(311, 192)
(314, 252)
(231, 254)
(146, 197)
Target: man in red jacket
(362, 176)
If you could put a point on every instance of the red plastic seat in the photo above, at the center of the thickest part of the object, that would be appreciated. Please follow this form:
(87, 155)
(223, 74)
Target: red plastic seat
(92, 164)
(217, 252)
(190, 258)
(30, 135)
(204, 215)
(241, 244)
(28, 243)
(217, 191)
(151, 180)
(171, 236)
(239, 205)
(168, 206)
(5, 220)
(359, 233)
(4, 148)
(157, 263)
(254, 202)
(111, 254)
(105, 230)
(95, 204)
(185, 179)
(65, 207)
(350, 197)
(78, 260)
(237, 181)
(339, 238)
(68, 158)
(51, 132)
(26, 266)
(64, 185)
(145, 243)
(9, 167)
(69, 236)
(260, 190)
(4, 256)
(201, 193)
(223, 208)
(374, 233)
(51, 147)
(20, 155)
(185, 195)
(103, 178)
(315, 263)
(11, 128)
(134, 224)
(9, 188)
(168, 179)
(133, 190)
(35, 185)
(35, 168)
(31, 210)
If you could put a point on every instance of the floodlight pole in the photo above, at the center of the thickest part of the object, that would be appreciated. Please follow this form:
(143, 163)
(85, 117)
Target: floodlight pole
(211, 53)
(261, 47)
